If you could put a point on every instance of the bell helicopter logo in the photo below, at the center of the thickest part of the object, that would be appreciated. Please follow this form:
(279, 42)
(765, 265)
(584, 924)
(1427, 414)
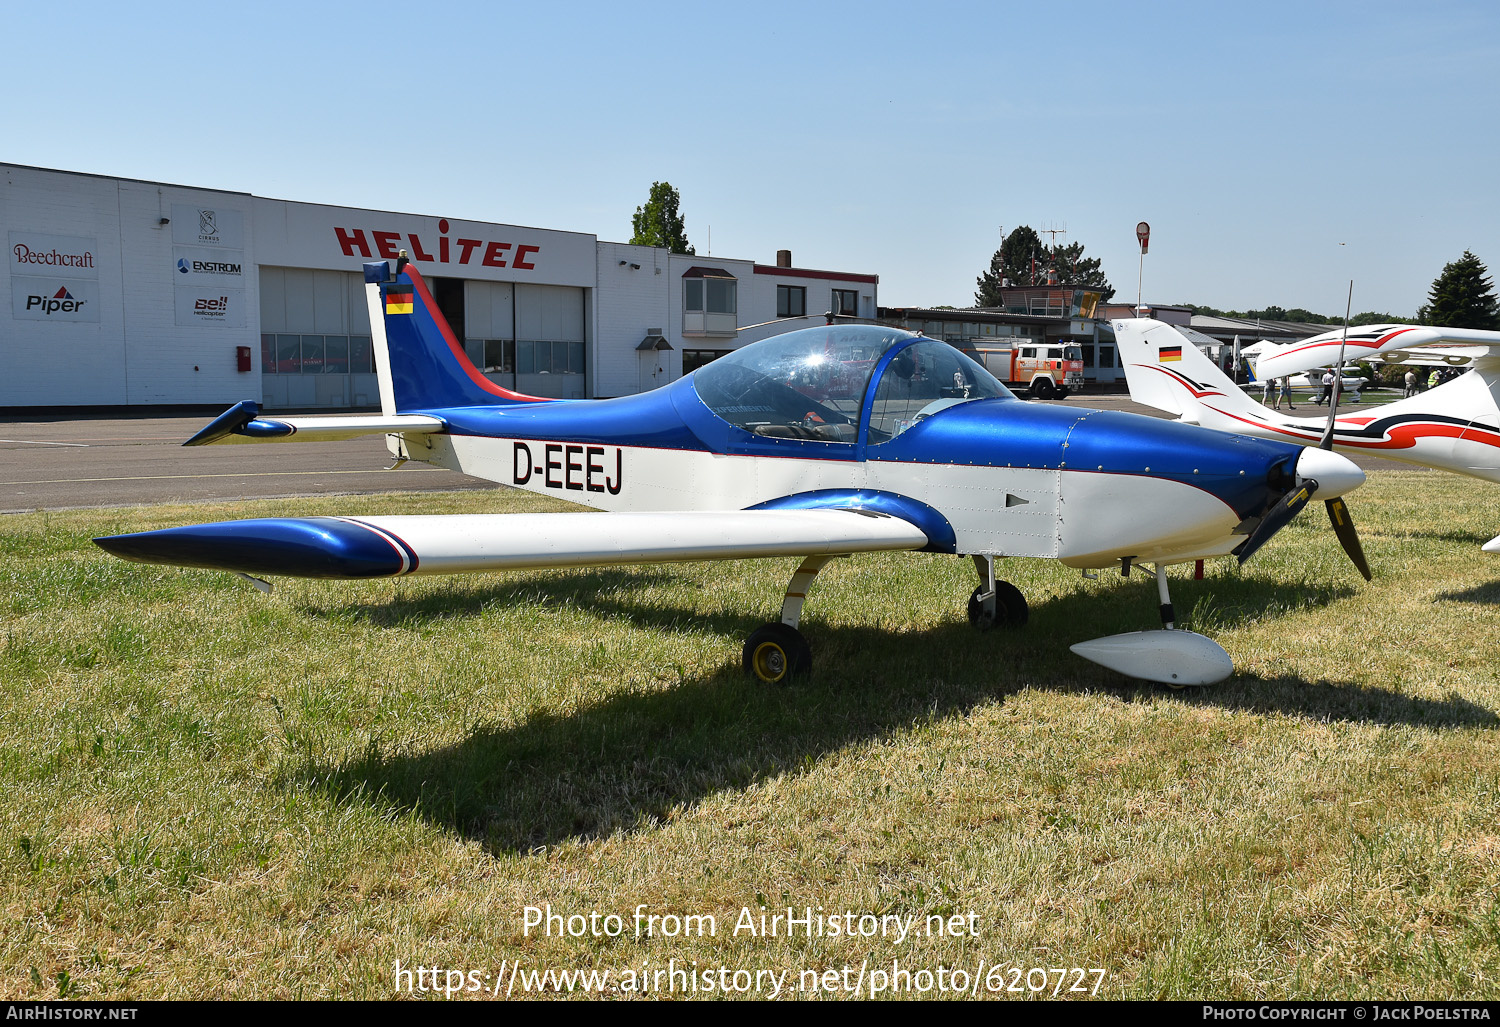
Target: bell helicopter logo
(61, 301)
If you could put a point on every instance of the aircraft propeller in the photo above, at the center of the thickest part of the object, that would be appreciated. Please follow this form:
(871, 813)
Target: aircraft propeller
(1306, 487)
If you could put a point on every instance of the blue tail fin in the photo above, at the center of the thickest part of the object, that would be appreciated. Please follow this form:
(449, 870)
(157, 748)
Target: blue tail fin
(425, 366)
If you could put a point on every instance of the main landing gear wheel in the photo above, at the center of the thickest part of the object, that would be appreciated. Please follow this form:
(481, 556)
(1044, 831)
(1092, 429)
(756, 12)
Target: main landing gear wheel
(1010, 608)
(776, 653)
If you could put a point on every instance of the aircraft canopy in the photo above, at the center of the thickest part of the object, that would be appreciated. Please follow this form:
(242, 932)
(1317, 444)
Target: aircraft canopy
(813, 384)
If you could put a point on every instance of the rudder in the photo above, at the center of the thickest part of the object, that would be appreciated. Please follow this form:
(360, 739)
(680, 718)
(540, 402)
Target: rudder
(1164, 369)
(419, 362)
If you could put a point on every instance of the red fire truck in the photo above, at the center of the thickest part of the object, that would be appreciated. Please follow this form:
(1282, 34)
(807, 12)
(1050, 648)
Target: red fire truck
(1040, 370)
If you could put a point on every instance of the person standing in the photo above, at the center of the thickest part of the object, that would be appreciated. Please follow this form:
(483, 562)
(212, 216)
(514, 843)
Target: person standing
(1411, 384)
(1325, 389)
(1284, 392)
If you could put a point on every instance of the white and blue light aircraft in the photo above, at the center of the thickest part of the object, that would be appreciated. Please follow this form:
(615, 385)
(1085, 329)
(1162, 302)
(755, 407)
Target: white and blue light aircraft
(817, 443)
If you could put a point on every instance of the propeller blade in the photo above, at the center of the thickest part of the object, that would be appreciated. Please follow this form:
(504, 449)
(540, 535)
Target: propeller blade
(1277, 518)
(1343, 527)
(1326, 442)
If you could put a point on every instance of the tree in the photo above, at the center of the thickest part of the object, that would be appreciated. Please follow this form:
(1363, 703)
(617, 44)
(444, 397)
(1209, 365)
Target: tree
(1011, 261)
(1372, 317)
(1462, 297)
(658, 223)
(1023, 260)
(1073, 268)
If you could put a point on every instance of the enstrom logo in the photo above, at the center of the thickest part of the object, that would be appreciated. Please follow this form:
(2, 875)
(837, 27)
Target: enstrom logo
(209, 267)
(60, 302)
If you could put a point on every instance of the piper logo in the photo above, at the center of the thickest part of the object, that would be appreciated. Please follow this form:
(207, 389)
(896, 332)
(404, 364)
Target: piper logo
(61, 302)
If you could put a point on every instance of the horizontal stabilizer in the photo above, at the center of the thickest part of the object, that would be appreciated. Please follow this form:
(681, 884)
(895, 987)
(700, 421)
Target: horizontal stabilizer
(369, 547)
(241, 423)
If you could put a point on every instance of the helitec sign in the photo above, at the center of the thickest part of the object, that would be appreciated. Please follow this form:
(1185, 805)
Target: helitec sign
(478, 252)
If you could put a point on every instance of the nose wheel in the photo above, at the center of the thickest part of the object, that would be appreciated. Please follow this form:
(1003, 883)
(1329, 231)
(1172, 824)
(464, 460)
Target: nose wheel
(995, 602)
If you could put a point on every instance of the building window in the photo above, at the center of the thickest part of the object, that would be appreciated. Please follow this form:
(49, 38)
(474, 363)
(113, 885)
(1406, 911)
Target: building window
(709, 295)
(499, 356)
(791, 301)
(692, 359)
(336, 354)
(846, 301)
(541, 357)
(361, 355)
(316, 354)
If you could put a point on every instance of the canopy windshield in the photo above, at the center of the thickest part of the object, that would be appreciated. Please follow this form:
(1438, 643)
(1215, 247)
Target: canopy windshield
(812, 384)
(802, 385)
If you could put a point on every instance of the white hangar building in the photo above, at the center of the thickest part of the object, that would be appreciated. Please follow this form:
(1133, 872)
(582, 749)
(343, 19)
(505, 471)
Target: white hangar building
(128, 293)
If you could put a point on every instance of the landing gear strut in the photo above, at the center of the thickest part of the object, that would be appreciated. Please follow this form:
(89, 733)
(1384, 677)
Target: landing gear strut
(995, 602)
(777, 653)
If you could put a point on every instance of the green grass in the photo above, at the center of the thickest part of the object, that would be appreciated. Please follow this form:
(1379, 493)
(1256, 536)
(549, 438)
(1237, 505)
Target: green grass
(208, 791)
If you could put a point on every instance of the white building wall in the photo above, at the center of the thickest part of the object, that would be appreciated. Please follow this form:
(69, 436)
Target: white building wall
(629, 301)
(172, 352)
(819, 298)
(158, 335)
(42, 361)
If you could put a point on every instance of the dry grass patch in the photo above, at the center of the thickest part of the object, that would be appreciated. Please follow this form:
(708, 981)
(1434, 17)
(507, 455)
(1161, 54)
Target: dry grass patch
(209, 791)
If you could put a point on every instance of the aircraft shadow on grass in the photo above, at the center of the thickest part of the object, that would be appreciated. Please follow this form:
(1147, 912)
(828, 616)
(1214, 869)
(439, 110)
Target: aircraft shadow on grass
(628, 762)
(1487, 594)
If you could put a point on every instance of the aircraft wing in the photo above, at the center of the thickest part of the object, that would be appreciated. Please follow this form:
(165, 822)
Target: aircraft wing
(243, 423)
(372, 547)
(1394, 344)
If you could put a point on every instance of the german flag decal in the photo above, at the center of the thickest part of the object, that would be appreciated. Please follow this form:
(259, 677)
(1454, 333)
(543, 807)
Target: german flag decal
(1165, 355)
(398, 301)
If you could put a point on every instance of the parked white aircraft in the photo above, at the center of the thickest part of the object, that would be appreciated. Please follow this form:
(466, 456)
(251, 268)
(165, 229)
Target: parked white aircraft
(1454, 427)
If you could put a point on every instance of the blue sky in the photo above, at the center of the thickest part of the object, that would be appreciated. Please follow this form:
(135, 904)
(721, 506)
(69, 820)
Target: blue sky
(1278, 149)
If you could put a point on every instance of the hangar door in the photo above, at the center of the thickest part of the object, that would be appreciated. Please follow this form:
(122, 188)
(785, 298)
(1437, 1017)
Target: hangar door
(315, 350)
(529, 338)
